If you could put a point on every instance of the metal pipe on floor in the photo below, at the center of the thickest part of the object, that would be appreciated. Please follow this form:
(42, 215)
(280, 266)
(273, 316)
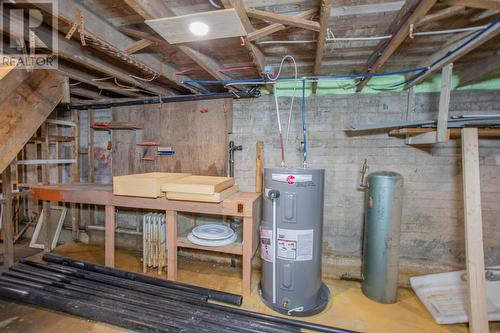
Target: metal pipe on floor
(212, 294)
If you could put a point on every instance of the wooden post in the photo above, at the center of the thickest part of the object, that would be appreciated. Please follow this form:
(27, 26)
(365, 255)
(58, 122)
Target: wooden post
(247, 254)
(478, 310)
(171, 244)
(90, 161)
(8, 244)
(444, 104)
(47, 242)
(109, 236)
(75, 171)
(258, 166)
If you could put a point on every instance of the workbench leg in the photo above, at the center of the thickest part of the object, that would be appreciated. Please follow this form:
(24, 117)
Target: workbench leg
(8, 244)
(474, 254)
(171, 245)
(109, 236)
(247, 254)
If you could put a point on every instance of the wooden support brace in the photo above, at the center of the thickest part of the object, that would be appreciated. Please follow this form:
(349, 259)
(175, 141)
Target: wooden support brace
(477, 304)
(8, 244)
(109, 236)
(171, 220)
(258, 166)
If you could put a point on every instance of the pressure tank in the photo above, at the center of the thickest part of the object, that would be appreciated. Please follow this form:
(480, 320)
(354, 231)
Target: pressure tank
(381, 236)
(291, 239)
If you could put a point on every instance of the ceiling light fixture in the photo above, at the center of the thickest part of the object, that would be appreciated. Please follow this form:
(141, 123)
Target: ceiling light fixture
(198, 28)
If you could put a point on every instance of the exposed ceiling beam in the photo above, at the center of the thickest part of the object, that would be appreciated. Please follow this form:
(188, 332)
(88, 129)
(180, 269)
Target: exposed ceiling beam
(480, 71)
(454, 51)
(255, 52)
(275, 27)
(484, 4)
(320, 46)
(283, 19)
(441, 14)
(372, 8)
(483, 15)
(73, 51)
(139, 34)
(157, 9)
(105, 35)
(410, 14)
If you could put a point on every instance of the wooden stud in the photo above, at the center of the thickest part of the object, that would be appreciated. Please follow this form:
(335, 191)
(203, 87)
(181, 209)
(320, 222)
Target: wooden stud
(75, 172)
(109, 236)
(66, 99)
(8, 244)
(444, 104)
(477, 303)
(258, 166)
(483, 4)
(247, 254)
(171, 220)
(138, 45)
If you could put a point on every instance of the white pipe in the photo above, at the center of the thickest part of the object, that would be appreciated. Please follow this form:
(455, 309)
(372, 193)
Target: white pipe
(275, 246)
(349, 39)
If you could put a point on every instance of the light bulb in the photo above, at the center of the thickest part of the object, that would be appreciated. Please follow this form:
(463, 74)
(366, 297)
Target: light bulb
(198, 28)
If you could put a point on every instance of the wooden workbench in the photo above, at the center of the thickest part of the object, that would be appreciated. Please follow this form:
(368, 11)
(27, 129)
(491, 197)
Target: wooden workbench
(244, 205)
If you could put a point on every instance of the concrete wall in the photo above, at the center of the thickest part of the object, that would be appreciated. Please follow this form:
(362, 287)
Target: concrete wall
(432, 229)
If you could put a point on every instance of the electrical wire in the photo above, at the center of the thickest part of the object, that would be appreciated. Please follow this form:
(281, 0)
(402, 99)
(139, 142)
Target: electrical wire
(291, 104)
(304, 127)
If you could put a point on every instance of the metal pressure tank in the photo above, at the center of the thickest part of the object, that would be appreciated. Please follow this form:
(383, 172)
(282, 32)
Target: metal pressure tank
(381, 236)
(291, 239)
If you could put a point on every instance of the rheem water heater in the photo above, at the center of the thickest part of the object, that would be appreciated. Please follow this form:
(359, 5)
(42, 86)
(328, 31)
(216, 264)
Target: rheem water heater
(291, 237)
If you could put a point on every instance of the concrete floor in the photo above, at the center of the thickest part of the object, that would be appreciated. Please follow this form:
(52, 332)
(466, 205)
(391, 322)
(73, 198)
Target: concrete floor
(349, 308)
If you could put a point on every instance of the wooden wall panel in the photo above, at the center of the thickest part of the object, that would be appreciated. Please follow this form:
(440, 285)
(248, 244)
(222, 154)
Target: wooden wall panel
(198, 138)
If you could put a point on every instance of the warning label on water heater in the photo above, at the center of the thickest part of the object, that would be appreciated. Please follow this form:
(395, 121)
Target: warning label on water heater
(266, 244)
(295, 244)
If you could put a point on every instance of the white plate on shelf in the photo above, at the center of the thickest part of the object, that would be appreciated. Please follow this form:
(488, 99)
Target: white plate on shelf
(204, 242)
(212, 231)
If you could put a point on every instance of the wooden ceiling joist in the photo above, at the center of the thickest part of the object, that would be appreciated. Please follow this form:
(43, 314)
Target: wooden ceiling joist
(482, 70)
(412, 12)
(87, 93)
(275, 27)
(320, 46)
(73, 51)
(138, 45)
(483, 4)
(104, 33)
(283, 19)
(454, 51)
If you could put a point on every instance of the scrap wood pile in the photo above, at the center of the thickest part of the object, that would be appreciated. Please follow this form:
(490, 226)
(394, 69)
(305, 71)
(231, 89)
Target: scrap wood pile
(135, 301)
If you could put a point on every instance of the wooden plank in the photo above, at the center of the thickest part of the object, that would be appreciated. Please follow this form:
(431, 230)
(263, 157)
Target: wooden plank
(440, 15)
(422, 139)
(454, 51)
(481, 70)
(484, 133)
(258, 166)
(368, 9)
(320, 45)
(11, 80)
(283, 19)
(483, 4)
(275, 27)
(87, 93)
(223, 23)
(144, 185)
(248, 238)
(477, 304)
(66, 88)
(198, 184)
(45, 162)
(399, 29)
(171, 221)
(444, 104)
(8, 233)
(197, 197)
(61, 122)
(25, 109)
(109, 236)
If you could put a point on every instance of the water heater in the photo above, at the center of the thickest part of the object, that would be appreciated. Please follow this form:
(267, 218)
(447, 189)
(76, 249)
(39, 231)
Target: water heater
(291, 239)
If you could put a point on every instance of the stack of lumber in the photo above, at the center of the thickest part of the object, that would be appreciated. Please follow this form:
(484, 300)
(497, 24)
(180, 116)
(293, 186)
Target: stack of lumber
(200, 188)
(176, 186)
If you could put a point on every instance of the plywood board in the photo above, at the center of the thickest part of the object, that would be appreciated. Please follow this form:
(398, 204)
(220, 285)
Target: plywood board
(145, 184)
(215, 198)
(198, 184)
(221, 24)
